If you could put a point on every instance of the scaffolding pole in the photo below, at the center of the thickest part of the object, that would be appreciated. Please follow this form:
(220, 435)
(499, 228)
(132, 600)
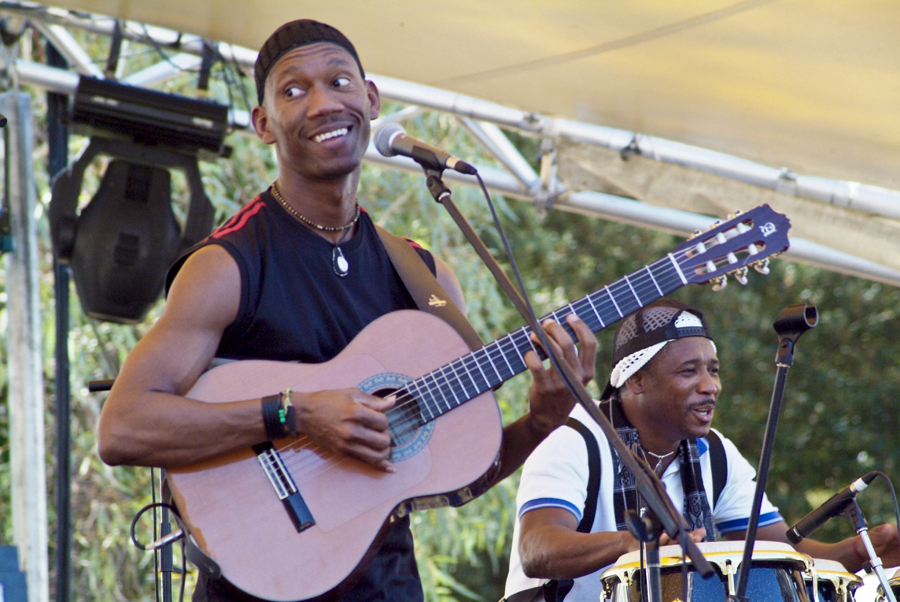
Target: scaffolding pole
(26, 388)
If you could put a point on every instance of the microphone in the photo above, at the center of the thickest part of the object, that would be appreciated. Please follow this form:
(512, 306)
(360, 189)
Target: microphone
(393, 140)
(833, 507)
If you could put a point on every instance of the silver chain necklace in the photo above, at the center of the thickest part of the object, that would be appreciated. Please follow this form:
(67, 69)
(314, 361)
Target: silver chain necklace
(339, 263)
(659, 459)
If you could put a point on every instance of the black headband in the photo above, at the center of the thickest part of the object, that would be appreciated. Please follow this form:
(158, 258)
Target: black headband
(292, 35)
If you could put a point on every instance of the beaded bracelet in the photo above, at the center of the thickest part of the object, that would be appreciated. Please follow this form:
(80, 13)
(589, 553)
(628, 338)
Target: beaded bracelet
(287, 415)
(278, 416)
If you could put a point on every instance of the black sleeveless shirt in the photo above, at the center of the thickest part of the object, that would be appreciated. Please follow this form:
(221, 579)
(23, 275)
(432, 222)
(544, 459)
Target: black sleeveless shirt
(295, 308)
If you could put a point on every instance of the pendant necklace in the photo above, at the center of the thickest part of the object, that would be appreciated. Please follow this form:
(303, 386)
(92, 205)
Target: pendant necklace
(659, 459)
(339, 263)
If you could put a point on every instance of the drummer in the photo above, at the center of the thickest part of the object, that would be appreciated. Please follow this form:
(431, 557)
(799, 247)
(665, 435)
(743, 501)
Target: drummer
(661, 396)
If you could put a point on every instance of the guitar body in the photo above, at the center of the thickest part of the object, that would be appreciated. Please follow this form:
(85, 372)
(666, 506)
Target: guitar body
(233, 512)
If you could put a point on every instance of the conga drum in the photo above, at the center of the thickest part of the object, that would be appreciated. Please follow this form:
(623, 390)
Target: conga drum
(831, 582)
(778, 573)
(894, 583)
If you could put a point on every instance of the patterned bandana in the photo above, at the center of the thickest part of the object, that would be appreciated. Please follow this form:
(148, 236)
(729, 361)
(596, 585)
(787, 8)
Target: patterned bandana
(696, 510)
(644, 333)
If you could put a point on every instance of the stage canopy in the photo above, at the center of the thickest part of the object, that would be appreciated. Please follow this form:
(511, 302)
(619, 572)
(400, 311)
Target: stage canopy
(720, 104)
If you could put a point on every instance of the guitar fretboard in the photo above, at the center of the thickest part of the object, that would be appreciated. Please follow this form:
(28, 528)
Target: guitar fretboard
(448, 387)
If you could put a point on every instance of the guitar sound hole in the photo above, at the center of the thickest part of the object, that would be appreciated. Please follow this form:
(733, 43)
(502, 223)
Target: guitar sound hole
(404, 417)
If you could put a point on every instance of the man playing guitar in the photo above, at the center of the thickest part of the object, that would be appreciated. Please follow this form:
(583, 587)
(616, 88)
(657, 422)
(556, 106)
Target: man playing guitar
(296, 275)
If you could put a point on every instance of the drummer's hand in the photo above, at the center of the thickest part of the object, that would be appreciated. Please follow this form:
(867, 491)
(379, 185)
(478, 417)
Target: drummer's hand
(886, 543)
(697, 536)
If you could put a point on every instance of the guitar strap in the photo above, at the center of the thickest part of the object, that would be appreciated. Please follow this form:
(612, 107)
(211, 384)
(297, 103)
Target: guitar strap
(424, 288)
(431, 297)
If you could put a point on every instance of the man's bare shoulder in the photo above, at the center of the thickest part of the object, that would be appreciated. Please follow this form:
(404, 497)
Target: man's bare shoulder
(202, 301)
(206, 292)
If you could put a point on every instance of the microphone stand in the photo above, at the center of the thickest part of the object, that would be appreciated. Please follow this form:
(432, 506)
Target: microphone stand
(647, 483)
(647, 529)
(792, 322)
(854, 513)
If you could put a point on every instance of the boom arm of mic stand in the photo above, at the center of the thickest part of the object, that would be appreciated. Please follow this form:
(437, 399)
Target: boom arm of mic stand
(648, 485)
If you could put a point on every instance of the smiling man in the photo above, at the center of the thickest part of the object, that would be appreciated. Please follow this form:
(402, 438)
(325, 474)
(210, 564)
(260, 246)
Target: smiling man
(296, 275)
(662, 395)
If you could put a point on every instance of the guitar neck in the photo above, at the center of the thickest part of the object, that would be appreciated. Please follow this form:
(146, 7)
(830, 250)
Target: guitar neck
(484, 369)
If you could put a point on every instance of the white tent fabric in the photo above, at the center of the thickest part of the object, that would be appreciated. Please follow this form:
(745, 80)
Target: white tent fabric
(811, 85)
(805, 86)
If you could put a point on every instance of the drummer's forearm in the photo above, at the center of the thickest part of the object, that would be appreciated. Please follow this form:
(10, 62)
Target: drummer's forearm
(555, 552)
(842, 551)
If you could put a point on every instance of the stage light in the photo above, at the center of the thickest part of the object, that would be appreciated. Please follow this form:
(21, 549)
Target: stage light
(121, 244)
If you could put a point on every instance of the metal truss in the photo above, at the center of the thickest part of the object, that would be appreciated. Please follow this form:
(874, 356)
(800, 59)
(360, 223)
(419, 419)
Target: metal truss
(484, 121)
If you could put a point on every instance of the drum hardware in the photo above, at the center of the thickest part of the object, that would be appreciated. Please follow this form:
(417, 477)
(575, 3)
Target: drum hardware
(830, 582)
(894, 584)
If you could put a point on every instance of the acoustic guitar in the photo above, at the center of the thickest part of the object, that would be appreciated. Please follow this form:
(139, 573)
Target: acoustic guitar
(289, 520)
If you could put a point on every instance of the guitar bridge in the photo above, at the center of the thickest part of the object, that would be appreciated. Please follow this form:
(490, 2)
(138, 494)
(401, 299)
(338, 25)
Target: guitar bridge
(284, 486)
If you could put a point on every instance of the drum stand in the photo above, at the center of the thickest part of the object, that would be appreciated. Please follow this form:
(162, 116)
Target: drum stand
(854, 513)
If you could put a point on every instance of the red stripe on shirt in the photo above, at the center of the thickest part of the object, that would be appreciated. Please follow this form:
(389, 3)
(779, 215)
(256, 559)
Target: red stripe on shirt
(239, 219)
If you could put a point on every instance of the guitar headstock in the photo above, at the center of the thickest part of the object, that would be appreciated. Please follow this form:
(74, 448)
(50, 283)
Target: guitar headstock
(746, 239)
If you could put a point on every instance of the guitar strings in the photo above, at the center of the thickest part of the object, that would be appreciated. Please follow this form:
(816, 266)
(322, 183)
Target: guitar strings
(421, 389)
(439, 380)
(509, 342)
(642, 278)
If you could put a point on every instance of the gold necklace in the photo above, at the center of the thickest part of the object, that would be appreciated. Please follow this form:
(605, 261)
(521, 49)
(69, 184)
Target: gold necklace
(311, 223)
(339, 263)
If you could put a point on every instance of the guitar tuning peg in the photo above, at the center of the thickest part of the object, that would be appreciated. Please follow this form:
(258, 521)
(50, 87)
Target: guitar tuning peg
(695, 234)
(719, 282)
(762, 266)
(740, 275)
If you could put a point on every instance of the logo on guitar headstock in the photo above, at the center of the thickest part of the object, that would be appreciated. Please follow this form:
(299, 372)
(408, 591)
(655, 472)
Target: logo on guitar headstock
(768, 229)
(435, 302)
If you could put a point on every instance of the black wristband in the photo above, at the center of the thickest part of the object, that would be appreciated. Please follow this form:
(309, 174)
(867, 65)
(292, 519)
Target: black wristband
(271, 405)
